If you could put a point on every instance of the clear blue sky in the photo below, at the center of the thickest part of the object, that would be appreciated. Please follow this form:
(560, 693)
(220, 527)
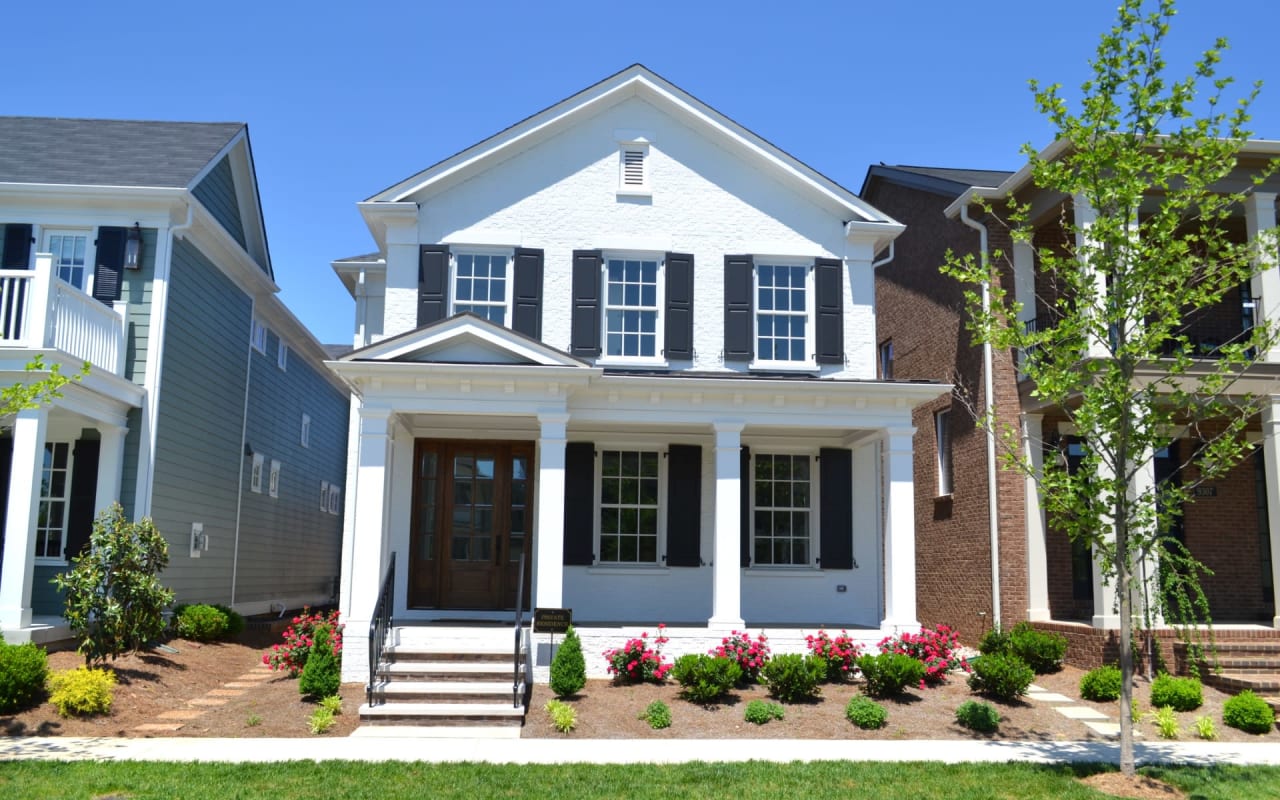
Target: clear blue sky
(344, 99)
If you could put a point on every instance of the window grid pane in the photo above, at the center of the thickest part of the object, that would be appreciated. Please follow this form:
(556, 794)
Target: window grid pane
(781, 510)
(631, 308)
(628, 507)
(55, 483)
(782, 315)
(68, 257)
(480, 286)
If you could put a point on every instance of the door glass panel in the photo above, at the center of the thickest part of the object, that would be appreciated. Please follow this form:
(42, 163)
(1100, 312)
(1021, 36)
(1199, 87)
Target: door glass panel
(473, 495)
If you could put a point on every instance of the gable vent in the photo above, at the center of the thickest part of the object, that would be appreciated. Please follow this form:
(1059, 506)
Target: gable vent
(633, 168)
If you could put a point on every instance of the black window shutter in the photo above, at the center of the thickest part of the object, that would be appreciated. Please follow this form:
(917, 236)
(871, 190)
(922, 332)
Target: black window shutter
(828, 280)
(17, 247)
(585, 335)
(684, 505)
(84, 487)
(678, 335)
(526, 317)
(110, 263)
(744, 504)
(739, 285)
(579, 503)
(835, 515)
(433, 283)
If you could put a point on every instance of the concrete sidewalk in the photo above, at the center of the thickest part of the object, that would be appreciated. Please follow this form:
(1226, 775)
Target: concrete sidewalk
(618, 751)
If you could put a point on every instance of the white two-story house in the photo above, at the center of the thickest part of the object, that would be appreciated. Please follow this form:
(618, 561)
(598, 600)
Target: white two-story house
(630, 345)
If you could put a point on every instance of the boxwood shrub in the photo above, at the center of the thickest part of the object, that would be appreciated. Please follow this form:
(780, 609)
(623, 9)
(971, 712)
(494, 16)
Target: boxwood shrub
(23, 670)
(1101, 685)
(793, 678)
(888, 674)
(1180, 694)
(1004, 677)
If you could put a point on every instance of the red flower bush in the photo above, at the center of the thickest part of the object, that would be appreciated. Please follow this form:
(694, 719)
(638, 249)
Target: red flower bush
(298, 639)
(751, 654)
(935, 648)
(839, 652)
(636, 661)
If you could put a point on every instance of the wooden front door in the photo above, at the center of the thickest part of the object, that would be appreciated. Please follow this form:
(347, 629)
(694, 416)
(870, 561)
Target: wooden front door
(472, 508)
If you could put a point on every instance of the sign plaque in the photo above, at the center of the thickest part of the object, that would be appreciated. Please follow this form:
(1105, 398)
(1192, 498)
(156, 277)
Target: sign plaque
(552, 620)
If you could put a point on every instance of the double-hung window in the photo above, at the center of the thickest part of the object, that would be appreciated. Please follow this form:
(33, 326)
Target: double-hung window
(784, 313)
(632, 303)
(628, 509)
(482, 284)
(55, 499)
(782, 510)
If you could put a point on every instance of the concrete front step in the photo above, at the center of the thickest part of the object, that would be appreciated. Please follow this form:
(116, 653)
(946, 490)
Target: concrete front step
(456, 652)
(453, 671)
(483, 692)
(441, 714)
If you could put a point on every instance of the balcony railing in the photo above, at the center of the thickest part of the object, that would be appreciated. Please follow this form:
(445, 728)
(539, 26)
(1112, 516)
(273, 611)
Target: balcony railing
(39, 310)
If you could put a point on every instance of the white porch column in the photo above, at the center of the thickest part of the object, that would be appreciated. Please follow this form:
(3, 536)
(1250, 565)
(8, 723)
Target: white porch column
(1084, 217)
(1271, 465)
(369, 531)
(1146, 576)
(548, 548)
(1259, 217)
(1037, 553)
(110, 466)
(20, 521)
(900, 533)
(726, 572)
(1106, 612)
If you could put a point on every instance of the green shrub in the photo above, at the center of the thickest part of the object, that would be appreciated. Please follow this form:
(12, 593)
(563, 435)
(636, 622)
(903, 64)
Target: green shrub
(1180, 694)
(759, 712)
(1040, 650)
(704, 678)
(1205, 729)
(200, 623)
(1249, 713)
(82, 691)
(994, 641)
(866, 713)
(322, 675)
(235, 621)
(332, 704)
(1004, 677)
(975, 716)
(1101, 685)
(793, 678)
(888, 674)
(321, 721)
(563, 717)
(657, 714)
(568, 668)
(1167, 723)
(23, 671)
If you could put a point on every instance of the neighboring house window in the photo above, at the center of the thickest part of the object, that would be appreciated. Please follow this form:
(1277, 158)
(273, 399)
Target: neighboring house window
(629, 506)
(306, 430)
(784, 329)
(324, 496)
(633, 168)
(631, 305)
(480, 285)
(886, 360)
(282, 355)
(273, 484)
(255, 476)
(942, 428)
(55, 493)
(782, 510)
(335, 496)
(72, 259)
(258, 339)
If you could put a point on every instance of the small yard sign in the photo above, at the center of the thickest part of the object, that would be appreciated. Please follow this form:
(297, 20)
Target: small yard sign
(552, 620)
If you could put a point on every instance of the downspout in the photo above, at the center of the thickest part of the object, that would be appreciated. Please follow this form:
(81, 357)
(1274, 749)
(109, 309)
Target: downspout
(988, 386)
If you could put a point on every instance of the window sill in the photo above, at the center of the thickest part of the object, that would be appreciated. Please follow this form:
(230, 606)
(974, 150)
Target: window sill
(634, 192)
(632, 363)
(784, 572)
(45, 561)
(782, 366)
(627, 569)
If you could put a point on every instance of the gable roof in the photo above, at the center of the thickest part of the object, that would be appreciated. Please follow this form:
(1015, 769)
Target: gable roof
(105, 152)
(634, 80)
(464, 338)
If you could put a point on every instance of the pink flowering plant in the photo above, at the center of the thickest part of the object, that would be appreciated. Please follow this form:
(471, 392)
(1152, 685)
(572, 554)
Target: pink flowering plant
(839, 653)
(640, 660)
(292, 654)
(750, 653)
(933, 647)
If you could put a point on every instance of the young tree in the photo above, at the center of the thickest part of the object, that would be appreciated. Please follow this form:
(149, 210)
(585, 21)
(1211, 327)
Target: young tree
(1148, 155)
(39, 391)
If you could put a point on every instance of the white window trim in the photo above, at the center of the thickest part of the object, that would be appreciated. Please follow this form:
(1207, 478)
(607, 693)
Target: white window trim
(335, 499)
(946, 467)
(282, 355)
(886, 365)
(509, 253)
(60, 559)
(255, 474)
(810, 302)
(815, 521)
(658, 359)
(634, 141)
(90, 251)
(305, 436)
(660, 548)
(258, 336)
(324, 497)
(273, 483)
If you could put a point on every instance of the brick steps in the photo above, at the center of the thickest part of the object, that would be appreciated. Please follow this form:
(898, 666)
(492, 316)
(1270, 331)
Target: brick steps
(1251, 664)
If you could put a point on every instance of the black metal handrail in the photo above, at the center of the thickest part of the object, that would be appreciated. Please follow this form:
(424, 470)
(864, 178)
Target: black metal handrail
(380, 625)
(519, 624)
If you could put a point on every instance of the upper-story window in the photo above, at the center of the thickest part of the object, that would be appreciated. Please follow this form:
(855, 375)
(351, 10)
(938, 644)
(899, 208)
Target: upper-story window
(282, 355)
(482, 284)
(72, 255)
(258, 337)
(886, 360)
(784, 313)
(632, 307)
(942, 431)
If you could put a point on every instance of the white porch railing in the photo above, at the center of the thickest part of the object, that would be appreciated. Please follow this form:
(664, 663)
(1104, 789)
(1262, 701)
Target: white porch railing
(39, 310)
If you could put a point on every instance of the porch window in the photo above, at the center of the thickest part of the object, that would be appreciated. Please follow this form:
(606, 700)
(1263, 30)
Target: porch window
(782, 510)
(481, 285)
(55, 490)
(628, 516)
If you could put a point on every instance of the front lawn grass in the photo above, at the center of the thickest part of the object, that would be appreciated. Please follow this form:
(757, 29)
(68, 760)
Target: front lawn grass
(137, 780)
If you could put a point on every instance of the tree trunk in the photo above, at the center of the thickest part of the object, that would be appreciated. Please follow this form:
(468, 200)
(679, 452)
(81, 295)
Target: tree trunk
(1123, 585)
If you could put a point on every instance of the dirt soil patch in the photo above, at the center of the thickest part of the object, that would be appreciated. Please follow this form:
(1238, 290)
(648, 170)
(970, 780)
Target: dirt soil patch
(215, 689)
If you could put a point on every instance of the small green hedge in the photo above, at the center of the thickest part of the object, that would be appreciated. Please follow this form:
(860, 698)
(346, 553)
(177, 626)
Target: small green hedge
(1249, 713)
(866, 713)
(1004, 677)
(23, 670)
(1180, 694)
(704, 678)
(1102, 685)
(888, 674)
(792, 677)
(975, 716)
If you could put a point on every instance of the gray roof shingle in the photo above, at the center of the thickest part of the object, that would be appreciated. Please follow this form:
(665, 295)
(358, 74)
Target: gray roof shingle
(967, 177)
(105, 152)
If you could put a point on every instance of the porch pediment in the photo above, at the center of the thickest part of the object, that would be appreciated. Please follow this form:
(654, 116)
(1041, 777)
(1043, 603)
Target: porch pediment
(465, 339)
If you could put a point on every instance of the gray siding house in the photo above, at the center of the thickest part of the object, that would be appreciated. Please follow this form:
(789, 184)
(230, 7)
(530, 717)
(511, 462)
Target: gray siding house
(139, 248)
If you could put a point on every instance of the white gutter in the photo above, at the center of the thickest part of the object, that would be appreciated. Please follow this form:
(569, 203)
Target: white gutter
(988, 386)
(886, 259)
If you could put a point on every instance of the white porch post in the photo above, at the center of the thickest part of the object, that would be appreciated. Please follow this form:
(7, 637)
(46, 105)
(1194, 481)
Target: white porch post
(20, 521)
(368, 556)
(900, 533)
(1084, 217)
(726, 572)
(1259, 217)
(548, 550)
(1106, 612)
(1271, 465)
(1037, 553)
(1146, 576)
(110, 466)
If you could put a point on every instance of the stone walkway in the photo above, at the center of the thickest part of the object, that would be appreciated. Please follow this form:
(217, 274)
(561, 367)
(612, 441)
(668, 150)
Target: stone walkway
(175, 719)
(1093, 719)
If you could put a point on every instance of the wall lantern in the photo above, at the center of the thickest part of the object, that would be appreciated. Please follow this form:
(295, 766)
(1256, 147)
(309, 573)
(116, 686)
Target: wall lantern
(133, 248)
